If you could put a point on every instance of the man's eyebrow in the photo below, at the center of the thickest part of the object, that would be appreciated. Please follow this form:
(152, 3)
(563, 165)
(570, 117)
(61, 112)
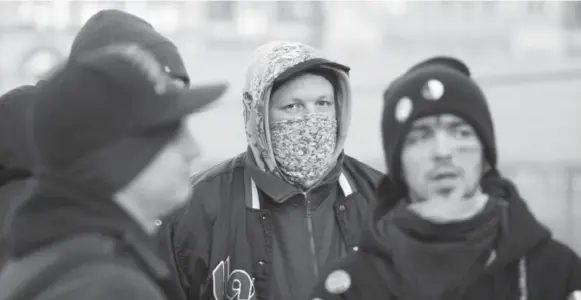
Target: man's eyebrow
(420, 126)
(457, 123)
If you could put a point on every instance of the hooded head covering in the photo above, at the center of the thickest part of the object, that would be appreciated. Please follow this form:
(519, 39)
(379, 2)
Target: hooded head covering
(275, 62)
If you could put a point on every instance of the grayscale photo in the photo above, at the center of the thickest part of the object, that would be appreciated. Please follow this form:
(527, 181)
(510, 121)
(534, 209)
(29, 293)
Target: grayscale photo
(290, 150)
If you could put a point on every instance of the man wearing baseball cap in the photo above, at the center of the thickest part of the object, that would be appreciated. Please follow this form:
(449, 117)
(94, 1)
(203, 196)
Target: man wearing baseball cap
(447, 224)
(112, 26)
(114, 155)
(104, 28)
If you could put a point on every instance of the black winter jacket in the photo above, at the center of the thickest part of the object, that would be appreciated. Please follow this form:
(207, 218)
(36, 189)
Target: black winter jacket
(224, 244)
(528, 264)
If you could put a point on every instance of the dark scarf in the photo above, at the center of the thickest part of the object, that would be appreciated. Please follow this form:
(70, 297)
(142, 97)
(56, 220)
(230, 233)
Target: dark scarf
(421, 249)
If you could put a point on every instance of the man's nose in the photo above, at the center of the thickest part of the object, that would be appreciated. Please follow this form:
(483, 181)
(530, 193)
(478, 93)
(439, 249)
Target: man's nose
(442, 146)
(311, 108)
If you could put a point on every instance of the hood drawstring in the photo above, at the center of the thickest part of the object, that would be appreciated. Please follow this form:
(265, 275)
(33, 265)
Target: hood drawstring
(522, 279)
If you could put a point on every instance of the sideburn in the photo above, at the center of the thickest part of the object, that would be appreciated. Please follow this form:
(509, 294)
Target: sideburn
(477, 188)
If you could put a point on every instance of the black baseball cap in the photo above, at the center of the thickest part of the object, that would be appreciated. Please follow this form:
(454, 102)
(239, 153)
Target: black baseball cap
(106, 95)
(111, 26)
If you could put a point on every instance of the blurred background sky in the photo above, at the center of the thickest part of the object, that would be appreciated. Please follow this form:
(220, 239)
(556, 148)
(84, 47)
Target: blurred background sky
(526, 54)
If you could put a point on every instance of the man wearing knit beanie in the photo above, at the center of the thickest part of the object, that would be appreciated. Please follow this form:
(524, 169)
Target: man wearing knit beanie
(448, 225)
(114, 155)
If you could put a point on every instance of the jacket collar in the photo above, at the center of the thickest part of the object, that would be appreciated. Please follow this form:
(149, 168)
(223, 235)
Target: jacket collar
(278, 189)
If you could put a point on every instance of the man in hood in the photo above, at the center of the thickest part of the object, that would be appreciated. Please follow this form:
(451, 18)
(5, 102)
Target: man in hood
(114, 155)
(265, 224)
(447, 225)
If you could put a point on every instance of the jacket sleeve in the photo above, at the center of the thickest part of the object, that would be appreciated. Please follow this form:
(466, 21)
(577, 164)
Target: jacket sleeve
(104, 281)
(184, 242)
(574, 276)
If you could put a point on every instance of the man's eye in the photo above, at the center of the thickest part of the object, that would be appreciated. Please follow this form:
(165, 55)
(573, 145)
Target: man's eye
(293, 106)
(417, 135)
(463, 132)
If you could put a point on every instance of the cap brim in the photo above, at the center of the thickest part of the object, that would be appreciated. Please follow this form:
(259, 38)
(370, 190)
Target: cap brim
(185, 102)
(309, 64)
(199, 97)
(137, 70)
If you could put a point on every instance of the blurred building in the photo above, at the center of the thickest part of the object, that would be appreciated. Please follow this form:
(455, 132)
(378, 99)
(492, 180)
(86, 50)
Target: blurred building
(34, 34)
(471, 27)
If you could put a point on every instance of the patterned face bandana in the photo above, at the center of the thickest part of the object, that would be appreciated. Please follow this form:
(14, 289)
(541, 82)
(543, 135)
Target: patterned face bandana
(302, 147)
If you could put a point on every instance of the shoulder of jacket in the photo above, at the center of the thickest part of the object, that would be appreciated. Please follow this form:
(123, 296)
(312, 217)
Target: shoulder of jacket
(359, 168)
(556, 258)
(104, 281)
(219, 171)
(562, 262)
(208, 188)
(556, 249)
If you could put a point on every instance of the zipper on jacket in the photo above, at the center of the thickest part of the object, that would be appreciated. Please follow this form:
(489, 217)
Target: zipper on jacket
(311, 235)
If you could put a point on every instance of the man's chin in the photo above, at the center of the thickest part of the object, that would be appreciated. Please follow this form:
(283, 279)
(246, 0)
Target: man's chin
(444, 189)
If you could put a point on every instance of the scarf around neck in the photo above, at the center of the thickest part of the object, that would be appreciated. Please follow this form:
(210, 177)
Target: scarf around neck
(441, 258)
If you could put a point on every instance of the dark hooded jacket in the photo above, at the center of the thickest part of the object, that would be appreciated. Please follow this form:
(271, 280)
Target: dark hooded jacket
(522, 261)
(65, 219)
(16, 158)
